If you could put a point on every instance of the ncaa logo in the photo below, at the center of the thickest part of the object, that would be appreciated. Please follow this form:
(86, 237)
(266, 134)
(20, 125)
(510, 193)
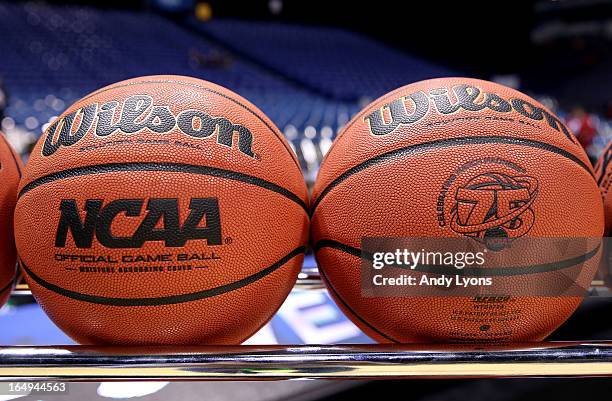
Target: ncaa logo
(487, 200)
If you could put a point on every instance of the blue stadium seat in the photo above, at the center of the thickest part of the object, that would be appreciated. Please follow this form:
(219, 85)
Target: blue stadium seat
(330, 61)
(294, 74)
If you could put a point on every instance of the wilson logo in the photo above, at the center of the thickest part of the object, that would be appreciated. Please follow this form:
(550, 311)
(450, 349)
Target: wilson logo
(138, 113)
(161, 222)
(413, 107)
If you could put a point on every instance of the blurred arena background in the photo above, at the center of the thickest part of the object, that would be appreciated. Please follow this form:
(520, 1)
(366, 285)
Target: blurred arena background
(310, 66)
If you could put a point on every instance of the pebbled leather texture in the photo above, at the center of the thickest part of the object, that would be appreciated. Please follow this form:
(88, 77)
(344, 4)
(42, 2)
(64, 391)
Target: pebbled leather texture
(603, 175)
(10, 170)
(419, 170)
(218, 290)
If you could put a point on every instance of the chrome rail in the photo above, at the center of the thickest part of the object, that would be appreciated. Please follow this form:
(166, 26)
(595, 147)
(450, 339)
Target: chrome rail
(309, 279)
(85, 363)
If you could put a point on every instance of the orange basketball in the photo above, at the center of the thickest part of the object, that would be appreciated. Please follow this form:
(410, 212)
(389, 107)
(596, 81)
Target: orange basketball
(453, 158)
(603, 174)
(161, 210)
(10, 171)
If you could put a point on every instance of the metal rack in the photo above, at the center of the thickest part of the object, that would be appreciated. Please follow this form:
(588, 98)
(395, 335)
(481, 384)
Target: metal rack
(82, 363)
(86, 363)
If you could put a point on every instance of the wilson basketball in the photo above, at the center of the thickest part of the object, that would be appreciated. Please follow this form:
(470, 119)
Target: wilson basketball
(456, 158)
(603, 174)
(10, 170)
(161, 210)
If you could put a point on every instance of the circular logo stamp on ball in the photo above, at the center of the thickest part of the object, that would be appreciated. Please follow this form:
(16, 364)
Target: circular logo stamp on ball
(489, 200)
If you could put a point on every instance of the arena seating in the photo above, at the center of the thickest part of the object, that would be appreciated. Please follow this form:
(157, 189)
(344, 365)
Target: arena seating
(329, 61)
(309, 80)
(90, 48)
(69, 51)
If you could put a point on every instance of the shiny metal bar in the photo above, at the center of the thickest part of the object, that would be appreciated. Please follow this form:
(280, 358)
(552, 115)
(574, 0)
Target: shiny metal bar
(309, 279)
(85, 363)
(21, 290)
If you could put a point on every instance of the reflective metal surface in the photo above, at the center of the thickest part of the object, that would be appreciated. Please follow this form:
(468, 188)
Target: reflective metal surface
(77, 363)
(309, 279)
(21, 289)
(85, 363)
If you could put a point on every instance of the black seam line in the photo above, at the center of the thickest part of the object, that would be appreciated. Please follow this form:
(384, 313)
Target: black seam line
(444, 143)
(165, 167)
(328, 243)
(603, 168)
(193, 85)
(348, 307)
(167, 300)
(601, 178)
(473, 271)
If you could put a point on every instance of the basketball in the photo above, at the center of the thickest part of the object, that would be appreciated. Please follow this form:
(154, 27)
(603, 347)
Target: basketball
(161, 210)
(603, 170)
(10, 170)
(453, 158)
